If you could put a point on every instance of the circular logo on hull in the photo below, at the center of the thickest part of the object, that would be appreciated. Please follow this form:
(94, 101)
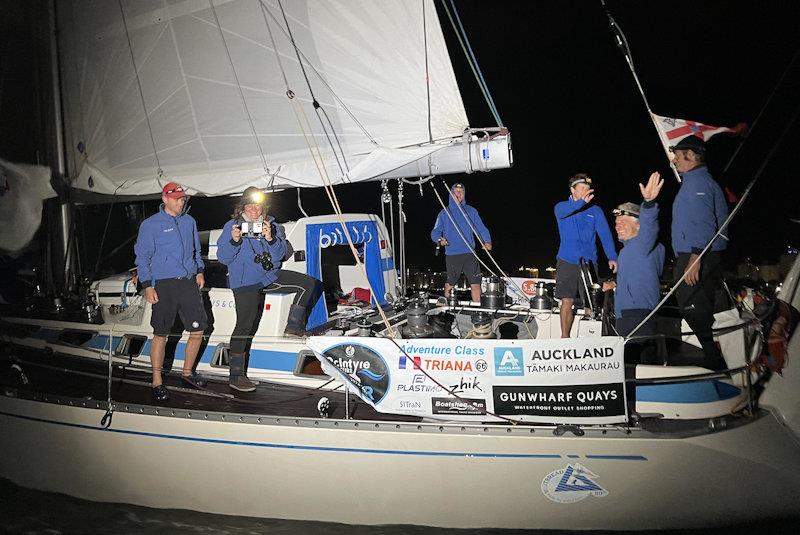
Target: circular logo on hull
(571, 484)
(365, 368)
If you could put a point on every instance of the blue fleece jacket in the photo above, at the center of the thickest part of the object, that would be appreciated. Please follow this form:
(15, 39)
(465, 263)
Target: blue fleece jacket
(240, 257)
(167, 247)
(640, 264)
(697, 213)
(578, 224)
(444, 228)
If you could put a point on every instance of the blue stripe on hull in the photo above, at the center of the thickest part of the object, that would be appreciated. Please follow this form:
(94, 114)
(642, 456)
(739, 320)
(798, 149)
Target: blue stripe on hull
(328, 448)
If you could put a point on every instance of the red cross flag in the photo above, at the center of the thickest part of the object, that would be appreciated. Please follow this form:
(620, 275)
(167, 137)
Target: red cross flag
(673, 130)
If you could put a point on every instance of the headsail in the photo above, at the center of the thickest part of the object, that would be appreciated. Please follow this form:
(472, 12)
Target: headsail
(197, 89)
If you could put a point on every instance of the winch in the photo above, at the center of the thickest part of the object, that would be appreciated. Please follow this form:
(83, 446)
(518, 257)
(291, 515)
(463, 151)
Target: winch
(481, 325)
(493, 293)
(417, 320)
(541, 301)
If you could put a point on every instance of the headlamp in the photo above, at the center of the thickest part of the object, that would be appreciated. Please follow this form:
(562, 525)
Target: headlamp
(256, 197)
(619, 212)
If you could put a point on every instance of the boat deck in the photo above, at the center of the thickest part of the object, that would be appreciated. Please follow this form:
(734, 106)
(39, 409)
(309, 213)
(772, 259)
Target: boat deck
(59, 375)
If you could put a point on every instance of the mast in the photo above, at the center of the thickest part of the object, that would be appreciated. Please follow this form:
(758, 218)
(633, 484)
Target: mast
(63, 265)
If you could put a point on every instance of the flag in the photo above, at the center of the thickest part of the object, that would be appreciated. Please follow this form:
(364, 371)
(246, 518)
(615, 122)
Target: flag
(676, 129)
(670, 131)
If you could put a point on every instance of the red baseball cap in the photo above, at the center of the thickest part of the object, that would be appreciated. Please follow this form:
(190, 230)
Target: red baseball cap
(173, 190)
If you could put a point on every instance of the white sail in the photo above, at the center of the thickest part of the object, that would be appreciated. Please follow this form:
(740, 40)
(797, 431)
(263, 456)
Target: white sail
(217, 114)
(23, 187)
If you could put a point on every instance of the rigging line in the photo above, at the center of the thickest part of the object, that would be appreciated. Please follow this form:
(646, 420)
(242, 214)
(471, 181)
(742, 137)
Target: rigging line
(384, 191)
(315, 102)
(105, 230)
(317, 107)
(300, 204)
(427, 72)
(492, 105)
(472, 60)
(761, 112)
(335, 203)
(159, 172)
(274, 47)
(289, 91)
(336, 137)
(622, 44)
(724, 226)
(239, 86)
(471, 66)
(322, 80)
(504, 275)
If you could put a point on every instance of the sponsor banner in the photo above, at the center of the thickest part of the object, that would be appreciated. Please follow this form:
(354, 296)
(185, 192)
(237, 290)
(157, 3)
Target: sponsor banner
(576, 380)
(458, 406)
(556, 401)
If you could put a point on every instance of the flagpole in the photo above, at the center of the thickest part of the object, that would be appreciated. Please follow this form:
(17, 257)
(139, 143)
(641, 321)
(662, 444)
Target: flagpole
(622, 44)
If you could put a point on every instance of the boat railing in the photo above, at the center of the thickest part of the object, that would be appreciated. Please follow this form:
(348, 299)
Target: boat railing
(752, 331)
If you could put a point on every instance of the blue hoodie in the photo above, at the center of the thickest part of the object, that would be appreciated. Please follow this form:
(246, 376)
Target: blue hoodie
(167, 247)
(641, 262)
(578, 225)
(697, 213)
(444, 228)
(240, 257)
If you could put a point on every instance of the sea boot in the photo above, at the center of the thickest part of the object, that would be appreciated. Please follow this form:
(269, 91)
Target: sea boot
(238, 381)
(247, 367)
(297, 321)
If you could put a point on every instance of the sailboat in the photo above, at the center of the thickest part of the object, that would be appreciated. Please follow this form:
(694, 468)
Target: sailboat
(397, 410)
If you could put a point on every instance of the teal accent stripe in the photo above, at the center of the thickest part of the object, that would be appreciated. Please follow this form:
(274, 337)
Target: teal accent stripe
(282, 361)
(618, 457)
(325, 448)
(101, 342)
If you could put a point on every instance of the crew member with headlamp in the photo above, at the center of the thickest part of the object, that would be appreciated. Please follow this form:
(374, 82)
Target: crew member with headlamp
(253, 247)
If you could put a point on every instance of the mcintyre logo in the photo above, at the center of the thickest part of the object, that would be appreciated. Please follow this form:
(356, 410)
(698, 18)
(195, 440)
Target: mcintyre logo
(364, 367)
(508, 361)
(571, 484)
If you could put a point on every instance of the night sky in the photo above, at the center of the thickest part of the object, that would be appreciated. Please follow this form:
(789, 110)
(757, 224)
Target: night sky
(564, 90)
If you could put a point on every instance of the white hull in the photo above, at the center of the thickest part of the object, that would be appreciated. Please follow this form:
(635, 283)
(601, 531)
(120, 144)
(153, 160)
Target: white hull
(389, 473)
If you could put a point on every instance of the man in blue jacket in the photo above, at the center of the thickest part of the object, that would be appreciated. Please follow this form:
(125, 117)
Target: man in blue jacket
(640, 262)
(170, 269)
(579, 224)
(453, 231)
(698, 213)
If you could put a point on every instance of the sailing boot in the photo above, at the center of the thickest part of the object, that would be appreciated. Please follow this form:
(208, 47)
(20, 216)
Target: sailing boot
(238, 381)
(297, 321)
(247, 367)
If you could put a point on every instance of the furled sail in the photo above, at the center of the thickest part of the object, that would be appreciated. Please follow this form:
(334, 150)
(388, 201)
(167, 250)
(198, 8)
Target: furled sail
(198, 90)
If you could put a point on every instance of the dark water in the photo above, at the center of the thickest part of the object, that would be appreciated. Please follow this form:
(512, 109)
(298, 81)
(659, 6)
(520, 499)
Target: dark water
(32, 512)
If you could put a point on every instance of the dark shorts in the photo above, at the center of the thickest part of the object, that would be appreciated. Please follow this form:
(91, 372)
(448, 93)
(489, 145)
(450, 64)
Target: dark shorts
(568, 280)
(462, 263)
(178, 296)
